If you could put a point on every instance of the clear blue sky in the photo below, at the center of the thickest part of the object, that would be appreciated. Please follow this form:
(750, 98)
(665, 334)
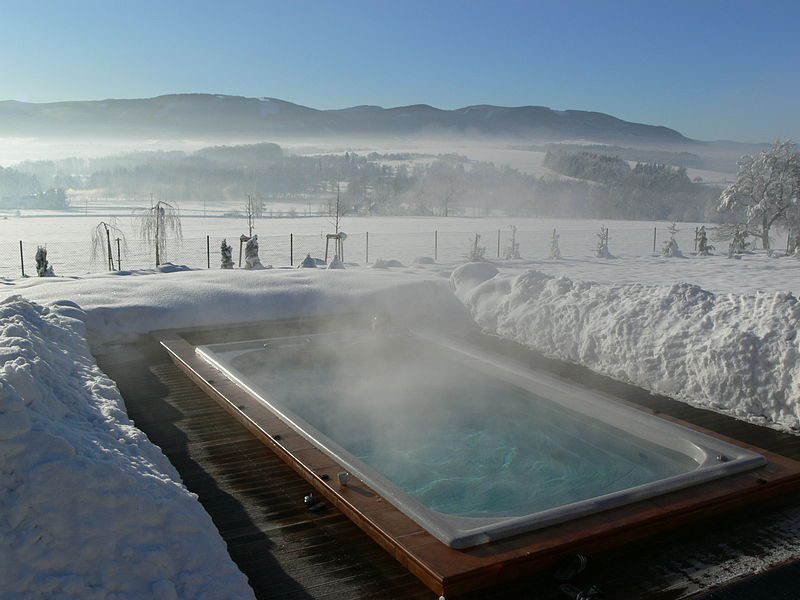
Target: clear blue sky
(712, 69)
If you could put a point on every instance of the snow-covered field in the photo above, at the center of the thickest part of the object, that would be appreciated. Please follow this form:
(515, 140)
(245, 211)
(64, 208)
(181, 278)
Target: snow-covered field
(68, 240)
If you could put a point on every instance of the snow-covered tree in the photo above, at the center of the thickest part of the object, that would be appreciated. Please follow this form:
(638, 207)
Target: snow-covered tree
(43, 268)
(602, 244)
(336, 263)
(671, 249)
(555, 251)
(102, 235)
(477, 253)
(512, 252)
(308, 263)
(157, 224)
(766, 190)
(738, 243)
(251, 259)
(226, 252)
(793, 241)
(703, 247)
(337, 217)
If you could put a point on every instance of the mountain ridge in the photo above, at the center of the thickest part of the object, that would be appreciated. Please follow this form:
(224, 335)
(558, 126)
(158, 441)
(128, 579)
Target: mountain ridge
(220, 115)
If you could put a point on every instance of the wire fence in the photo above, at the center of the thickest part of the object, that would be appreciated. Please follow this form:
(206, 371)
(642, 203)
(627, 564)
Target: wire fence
(18, 258)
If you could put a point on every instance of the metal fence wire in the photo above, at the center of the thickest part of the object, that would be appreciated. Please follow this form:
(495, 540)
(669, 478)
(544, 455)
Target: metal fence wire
(79, 257)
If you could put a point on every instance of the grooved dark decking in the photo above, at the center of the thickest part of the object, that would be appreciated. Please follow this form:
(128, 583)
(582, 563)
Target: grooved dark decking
(781, 583)
(255, 500)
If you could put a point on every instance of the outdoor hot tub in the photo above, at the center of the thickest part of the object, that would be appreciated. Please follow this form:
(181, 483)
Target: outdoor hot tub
(470, 449)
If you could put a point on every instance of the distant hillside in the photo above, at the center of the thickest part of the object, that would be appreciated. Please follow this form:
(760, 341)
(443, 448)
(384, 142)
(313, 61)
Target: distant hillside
(207, 115)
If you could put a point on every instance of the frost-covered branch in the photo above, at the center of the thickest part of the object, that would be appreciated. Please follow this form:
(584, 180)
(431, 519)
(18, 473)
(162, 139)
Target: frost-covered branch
(157, 224)
(766, 190)
(102, 235)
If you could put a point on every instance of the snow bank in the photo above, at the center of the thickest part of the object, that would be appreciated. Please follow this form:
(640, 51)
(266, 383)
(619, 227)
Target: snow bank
(733, 353)
(89, 508)
(119, 308)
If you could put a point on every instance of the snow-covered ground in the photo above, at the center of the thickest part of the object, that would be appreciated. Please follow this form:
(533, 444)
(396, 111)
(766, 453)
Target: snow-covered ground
(734, 353)
(89, 508)
(68, 241)
(748, 275)
(44, 226)
(120, 308)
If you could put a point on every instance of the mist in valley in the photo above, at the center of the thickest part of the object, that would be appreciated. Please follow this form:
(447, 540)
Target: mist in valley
(412, 175)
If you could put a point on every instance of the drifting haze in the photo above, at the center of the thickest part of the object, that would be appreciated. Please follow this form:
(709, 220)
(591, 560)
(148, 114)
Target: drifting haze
(416, 160)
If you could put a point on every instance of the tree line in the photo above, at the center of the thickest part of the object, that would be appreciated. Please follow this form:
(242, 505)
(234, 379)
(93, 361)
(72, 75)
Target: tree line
(386, 184)
(645, 191)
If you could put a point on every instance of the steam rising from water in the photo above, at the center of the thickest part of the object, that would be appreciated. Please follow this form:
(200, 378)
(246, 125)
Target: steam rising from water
(459, 441)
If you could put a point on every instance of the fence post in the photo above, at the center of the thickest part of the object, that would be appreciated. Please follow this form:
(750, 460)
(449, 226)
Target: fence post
(498, 243)
(366, 259)
(291, 249)
(21, 259)
(654, 240)
(110, 255)
(119, 259)
(435, 244)
(208, 251)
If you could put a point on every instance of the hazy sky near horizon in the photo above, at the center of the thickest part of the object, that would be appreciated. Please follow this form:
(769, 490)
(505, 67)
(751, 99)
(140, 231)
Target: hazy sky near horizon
(711, 69)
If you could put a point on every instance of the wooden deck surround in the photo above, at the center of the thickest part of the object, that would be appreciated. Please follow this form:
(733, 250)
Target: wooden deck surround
(446, 571)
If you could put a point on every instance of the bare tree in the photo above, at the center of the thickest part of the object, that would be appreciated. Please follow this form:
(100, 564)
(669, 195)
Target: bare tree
(446, 180)
(250, 213)
(419, 190)
(448, 193)
(477, 253)
(338, 214)
(555, 251)
(512, 252)
(766, 190)
(157, 224)
(258, 207)
(101, 241)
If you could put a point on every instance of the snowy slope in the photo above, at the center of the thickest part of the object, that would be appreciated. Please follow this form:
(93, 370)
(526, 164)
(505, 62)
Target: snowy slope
(89, 508)
(737, 354)
(121, 307)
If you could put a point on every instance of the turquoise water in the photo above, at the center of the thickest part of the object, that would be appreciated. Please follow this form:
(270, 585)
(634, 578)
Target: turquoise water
(459, 441)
